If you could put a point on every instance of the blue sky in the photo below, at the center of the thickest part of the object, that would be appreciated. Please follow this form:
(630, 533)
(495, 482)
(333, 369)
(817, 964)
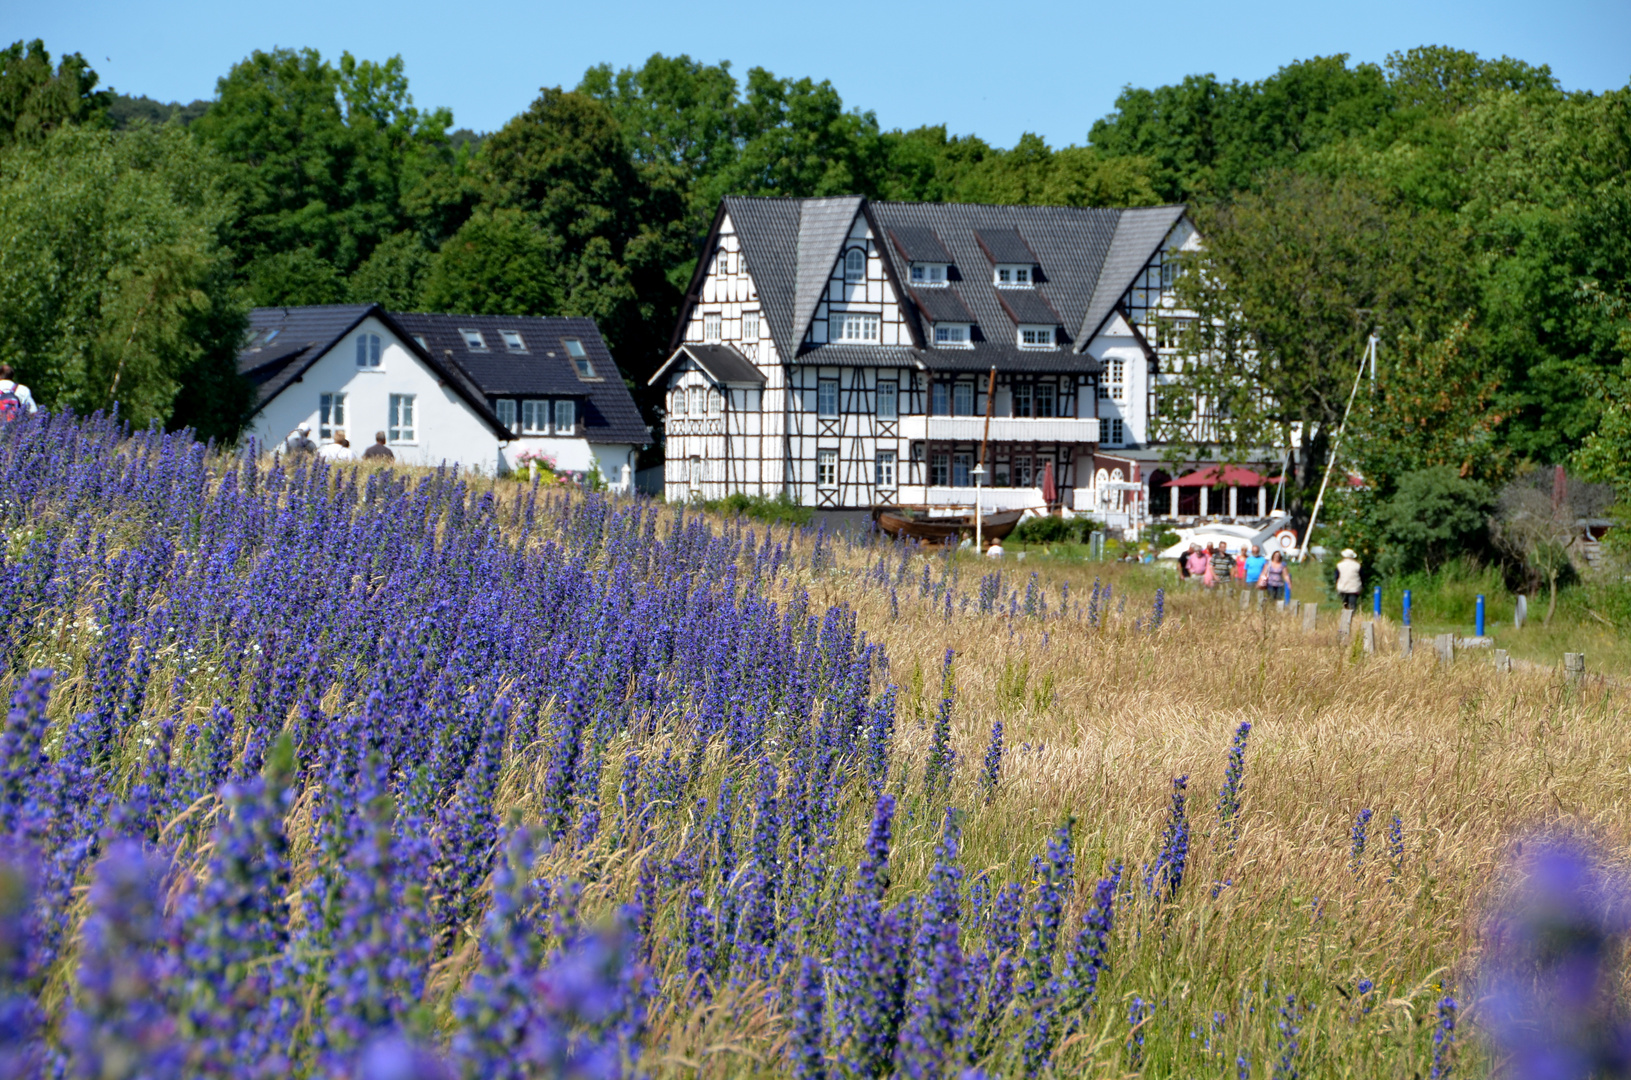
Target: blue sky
(991, 69)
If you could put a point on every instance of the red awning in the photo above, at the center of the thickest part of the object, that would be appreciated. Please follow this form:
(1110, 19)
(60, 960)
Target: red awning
(1231, 476)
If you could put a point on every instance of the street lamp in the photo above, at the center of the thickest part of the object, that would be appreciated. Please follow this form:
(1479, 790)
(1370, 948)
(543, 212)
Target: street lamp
(978, 472)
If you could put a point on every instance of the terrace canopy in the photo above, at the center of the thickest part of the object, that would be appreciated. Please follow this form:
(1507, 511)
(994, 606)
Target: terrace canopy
(1234, 477)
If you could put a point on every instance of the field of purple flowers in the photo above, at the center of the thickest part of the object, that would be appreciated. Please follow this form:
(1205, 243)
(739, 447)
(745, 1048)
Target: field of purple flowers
(331, 773)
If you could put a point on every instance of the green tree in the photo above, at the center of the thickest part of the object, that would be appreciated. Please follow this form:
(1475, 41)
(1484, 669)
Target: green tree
(1435, 515)
(36, 99)
(500, 263)
(1291, 281)
(394, 275)
(321, 156)
(117, 287)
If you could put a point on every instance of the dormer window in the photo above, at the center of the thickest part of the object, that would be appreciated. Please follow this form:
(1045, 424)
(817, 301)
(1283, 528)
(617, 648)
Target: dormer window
(1036, 337)
(1011, 276)
(512, 340)
(952, 336)
(474, 341)
(930, 274)
(420, 339)
(580, 359)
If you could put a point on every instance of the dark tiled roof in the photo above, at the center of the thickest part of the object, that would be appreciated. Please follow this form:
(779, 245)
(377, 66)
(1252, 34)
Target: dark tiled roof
(722, 362)
(1088, 258)
(1004, 246)
(543, 369)
(941, 305)
(1027, 306)
(1138, 234)
(917, 244)
(302, 335)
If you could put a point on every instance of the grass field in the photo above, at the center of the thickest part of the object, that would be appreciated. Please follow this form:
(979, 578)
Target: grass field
(336, 756)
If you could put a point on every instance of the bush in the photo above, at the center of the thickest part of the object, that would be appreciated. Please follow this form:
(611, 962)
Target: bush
(1434, 516)
(762, 508)
(1045, 530)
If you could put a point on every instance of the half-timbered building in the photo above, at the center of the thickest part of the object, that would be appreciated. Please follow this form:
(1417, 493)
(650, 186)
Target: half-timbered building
(840, 351)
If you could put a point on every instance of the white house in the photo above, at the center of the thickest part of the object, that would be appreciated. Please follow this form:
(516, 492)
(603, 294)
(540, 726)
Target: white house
(840, 351)
(472, 390)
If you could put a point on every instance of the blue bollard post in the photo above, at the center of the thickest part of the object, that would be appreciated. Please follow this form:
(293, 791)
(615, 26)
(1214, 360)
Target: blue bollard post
(1407, 607)
(1478, 617)
(1376, 602)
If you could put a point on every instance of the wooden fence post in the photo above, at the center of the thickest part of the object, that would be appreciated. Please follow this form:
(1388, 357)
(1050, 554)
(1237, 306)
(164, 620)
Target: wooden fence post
(1574, 666)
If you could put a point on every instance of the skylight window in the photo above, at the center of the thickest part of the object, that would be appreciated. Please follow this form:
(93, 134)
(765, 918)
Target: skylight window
(474, 341)
(580, 359)
(512, 340)
(271, 336)
(423, 344)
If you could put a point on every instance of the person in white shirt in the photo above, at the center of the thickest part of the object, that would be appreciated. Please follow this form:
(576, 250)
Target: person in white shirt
(995, 550)
(338, 450)
(15, 398)
(1348, 581)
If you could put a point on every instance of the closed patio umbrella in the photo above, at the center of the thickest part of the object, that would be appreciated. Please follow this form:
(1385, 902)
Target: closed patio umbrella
(1050, 489)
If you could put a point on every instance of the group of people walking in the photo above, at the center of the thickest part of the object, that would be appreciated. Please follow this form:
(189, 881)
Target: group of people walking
(1213, 565)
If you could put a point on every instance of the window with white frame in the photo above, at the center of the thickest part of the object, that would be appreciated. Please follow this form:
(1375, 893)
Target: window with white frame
(827, 397)
(951, 335)
(1011, 276)
(711, 326)
(330, 415)
(694, 474)
(826, 468)
(962, 399)
(960, 466)
(512, 340)
(857, 326)
(566, 417)
(505, 407)
(888, 399)
(699, 400)
(930, 274)
(1111, 385)
(1114, 434)
(1022, 399)
(678, 408)
(535, 418)
(473, 340)
(940, 469)
(854, 265)
(579, 358)
(1036, 337)
(1047, 401)
(1169, 333)
(368, 352)
(750, 326)
(1170, 272)
(715, 402)
(400, 428)
(884, 469)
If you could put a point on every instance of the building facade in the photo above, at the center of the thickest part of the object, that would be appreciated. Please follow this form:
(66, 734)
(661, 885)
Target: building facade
(847, 353)
(481, 392)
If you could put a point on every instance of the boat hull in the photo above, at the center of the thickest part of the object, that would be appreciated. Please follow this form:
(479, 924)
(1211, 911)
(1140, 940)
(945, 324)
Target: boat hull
(896, 521)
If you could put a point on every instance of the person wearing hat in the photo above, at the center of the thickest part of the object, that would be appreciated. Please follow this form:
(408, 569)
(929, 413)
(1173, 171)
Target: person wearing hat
(299, 441)
(1348, 584)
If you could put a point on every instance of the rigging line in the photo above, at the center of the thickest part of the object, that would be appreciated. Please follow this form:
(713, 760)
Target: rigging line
(1330, 462)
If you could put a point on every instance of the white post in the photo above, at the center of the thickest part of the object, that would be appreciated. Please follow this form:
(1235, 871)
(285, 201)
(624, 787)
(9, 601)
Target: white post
(979, 518)
(1174, 492)
(1205, 499)
(1234, 501)
(1262, 500)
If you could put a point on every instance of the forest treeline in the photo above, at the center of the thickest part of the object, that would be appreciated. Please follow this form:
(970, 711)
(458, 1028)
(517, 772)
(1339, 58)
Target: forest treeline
(1470, 212)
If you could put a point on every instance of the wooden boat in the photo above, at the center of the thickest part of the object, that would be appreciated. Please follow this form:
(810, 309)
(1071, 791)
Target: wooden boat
(912, 522)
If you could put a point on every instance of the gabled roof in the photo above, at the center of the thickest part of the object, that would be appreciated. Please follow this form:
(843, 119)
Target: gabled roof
(722, 363)
(543, 369)
(1139, 233)
(305, 334)
(1086, 259)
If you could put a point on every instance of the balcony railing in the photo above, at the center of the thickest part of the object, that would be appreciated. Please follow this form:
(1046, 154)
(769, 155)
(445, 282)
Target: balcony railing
(1003, 429)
